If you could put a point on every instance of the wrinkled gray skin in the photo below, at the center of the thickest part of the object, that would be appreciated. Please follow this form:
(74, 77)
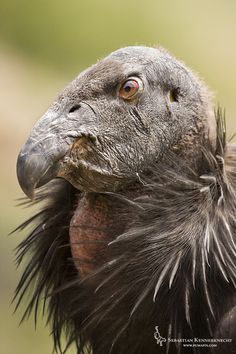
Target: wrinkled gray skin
(122, 137)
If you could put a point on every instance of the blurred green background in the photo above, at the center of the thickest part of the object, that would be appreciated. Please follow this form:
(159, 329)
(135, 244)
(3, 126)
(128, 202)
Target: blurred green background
(46, 43)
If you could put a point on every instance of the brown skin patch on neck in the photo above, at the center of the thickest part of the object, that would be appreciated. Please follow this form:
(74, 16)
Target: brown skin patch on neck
(94, 224)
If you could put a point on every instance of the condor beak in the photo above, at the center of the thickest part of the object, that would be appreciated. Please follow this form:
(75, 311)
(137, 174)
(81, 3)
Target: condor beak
(40, 159)
(36, 168)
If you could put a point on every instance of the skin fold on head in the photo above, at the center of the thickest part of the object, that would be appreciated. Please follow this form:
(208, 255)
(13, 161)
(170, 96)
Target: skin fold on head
(134, 165)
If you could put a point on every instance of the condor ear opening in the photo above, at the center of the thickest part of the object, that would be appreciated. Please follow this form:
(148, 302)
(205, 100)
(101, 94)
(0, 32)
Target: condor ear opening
(173, 95)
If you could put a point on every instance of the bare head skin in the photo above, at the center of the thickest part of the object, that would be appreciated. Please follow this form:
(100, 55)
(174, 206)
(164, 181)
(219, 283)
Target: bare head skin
(98, 135)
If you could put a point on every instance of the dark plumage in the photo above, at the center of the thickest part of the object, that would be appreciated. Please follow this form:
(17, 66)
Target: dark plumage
(139, 231)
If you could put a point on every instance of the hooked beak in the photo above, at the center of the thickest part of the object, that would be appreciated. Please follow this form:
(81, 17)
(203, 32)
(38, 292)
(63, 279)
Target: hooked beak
(34, 169)
(40, 159)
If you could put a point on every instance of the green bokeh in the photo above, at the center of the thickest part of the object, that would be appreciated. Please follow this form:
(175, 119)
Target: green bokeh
(44, 44)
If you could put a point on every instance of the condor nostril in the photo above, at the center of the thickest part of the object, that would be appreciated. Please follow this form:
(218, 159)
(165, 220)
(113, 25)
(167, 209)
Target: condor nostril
(74, 108)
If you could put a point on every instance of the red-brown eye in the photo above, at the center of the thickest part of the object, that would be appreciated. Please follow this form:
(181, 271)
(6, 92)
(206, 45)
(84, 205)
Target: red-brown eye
(130, 88)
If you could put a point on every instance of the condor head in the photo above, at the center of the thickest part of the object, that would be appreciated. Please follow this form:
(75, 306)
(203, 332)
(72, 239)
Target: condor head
(115, 120)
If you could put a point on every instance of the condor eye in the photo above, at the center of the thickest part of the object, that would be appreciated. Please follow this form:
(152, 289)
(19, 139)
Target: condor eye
(130, 88)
